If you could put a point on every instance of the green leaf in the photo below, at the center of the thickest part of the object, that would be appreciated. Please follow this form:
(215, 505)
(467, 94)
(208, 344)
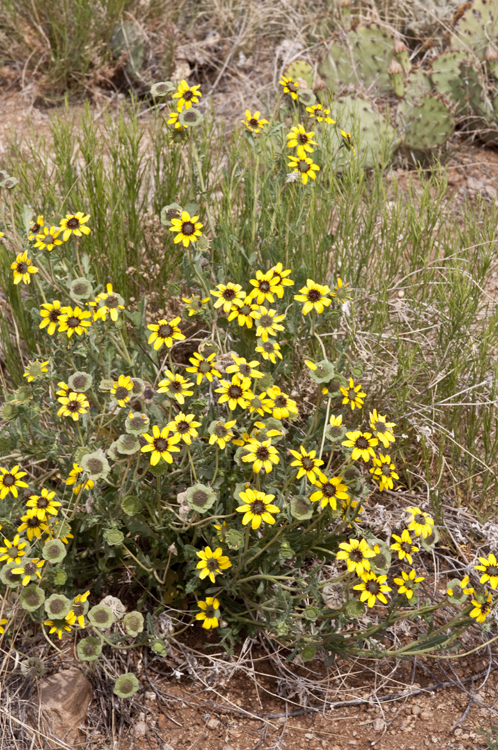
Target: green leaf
(137, 526)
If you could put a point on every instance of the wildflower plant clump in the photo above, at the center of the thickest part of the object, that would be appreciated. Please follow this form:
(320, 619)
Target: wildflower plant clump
(217, 458)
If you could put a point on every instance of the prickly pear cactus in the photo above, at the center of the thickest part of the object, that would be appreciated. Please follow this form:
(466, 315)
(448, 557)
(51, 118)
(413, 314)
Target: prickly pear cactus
(475, 92)
(477, 28)
(301, 69)
(126, 37)
(418, 84)
(446, 76)
(372, 137)
(426, 124)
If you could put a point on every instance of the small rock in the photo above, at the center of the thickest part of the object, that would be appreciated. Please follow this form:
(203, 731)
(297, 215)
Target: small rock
(434, 740)
(228, 747)
(64, 699)
(309, 736)
(458, 732)
(416, 710)
(213, 723)
(426, 715)
(379, 725)
(140, 729)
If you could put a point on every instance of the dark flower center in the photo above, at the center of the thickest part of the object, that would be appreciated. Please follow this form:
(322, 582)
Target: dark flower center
(188, 95)
(268, 347)
(209, 611)
(292, 86)
(95, 465)
(29, 569)
(328, 490)
(220, 431)
(53, 316)
(182, 426)
(307, 463)
(303, 138)
(314, 295)
(303, 166)
(80, 382)
(245, 310)
(165, 330)
(204, 367)
(80, 289)
(101, 616)
(419, 518)
(33, 523)
(112, 301)
(22, 267)
(264, 286)
(148, 393)
(406, 547)
(281, 401)
(245, 370)
(492, 570)
(262, 452)
(212, 564)
(177, 386)
(335, 431)
(48, 239)
(35, 228)
(73, 405)
(253, 122)
(265, 321)
(73, 322)
(351, 394)
(200, 498)
(235, 391)
(258, 507)
(121, 393)
(8, 480)
(160, 444)
(361, 443)
(356, 555)
(73, 223)
(188, 228)
(386, 470)
(14, 552)
(373, 587)
(228, 293)
(380, 427)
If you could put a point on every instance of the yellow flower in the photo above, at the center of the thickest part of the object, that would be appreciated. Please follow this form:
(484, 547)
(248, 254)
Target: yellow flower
(404, 546)
(35, 370)
(489, 569)
(74, 320)
(481, 609)
(228, 295)
(346, 137)
(29, 569)
(58, 626)
(263, 284)
(384, 472)
(3, 621)
(373, 587)
(382, 429)
(314, 297)
(73, 405)
(77, 611)
(35, 228)
(245, 311)
(195, 304)
(300, 139)
(356, 554)
(186, 95)
(237, 392)
(188, 229)
(50, 313)
(184, 425)
(108, 303)
(209, 612)
(262, 455)
(173, 120)
(309, 465)
(48, 238)
(122, 390)
(341, 290)
(408, 583)
(204, 367)
(321, 114)
(162, 445)
(74, 224)
(10, 481)
(280, 275)
(463, 585)
(212, 563)
(33, 526)
(290, 87)
(22, 268)
(329, 491)
(222, 433)
(73, 478)
(353, 395)
(268, 323)
(269, 350)
(13, 550)
(257, 508)
(280, 403)
(164, 332)
(43, 504)
(335, 421)
(304, 166)
(420, 523)
(176, 386)
(362, 443)
(244, 368)
(260, 404)
(254, 122)
(350, 510)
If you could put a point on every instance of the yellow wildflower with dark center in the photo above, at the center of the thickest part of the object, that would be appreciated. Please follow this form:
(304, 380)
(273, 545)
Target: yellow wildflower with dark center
(184, 425)
(73, 405)
(108, 303)
(282, 406)
(263, 284)
(314, 297)
(269, 350)
(262, 455)
(10, 480)
(209, 611)
(254, 122)
(346, 139)
(35, 370)
(195, 304)
(176, 386)
(29, 569)
(353, 395)
(22, 268)
(463, 586)
(186, 95)
(43, 504)
(73, 478)
(212, 563)
(32, 525)
(259, 429)
(257, 507)
(48, 238)
(165, 332)
(373, 588)
(50, 313)
(74, 224)
(245, 311)
(244, 368)
(74, 320)
(204, 367)
(304, 166)
(384, 472)
(228, 295)
(236, 393)
(351, 509)
(356, 555)
(280, 275)
(362, 443)
(290, 87)
(187, 228)
(12, 551)
(329, 491)
(404, 546)
(222, 433)
(161, 444)
(260, 404)
(122, 390)
(408, 583)
(382, 429)
(173, 120)
(489, 570)
(322, 115)
(36, 227)
(419, 522)
(308, 464)
(268, 323)
(301, 140)
(58, 626)
(481, 609)
(77, 611)
(341, 290)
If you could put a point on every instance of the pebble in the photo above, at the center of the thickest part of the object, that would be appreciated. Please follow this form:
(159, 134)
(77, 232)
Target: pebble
(379, 725)
(213, 723)
(416, 710)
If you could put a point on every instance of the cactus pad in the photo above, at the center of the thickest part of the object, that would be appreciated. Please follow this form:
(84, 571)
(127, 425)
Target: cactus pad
(475, 29)
(126, 37)
(418, 84)
(426, 124)
(372, 136)
(301, 69)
